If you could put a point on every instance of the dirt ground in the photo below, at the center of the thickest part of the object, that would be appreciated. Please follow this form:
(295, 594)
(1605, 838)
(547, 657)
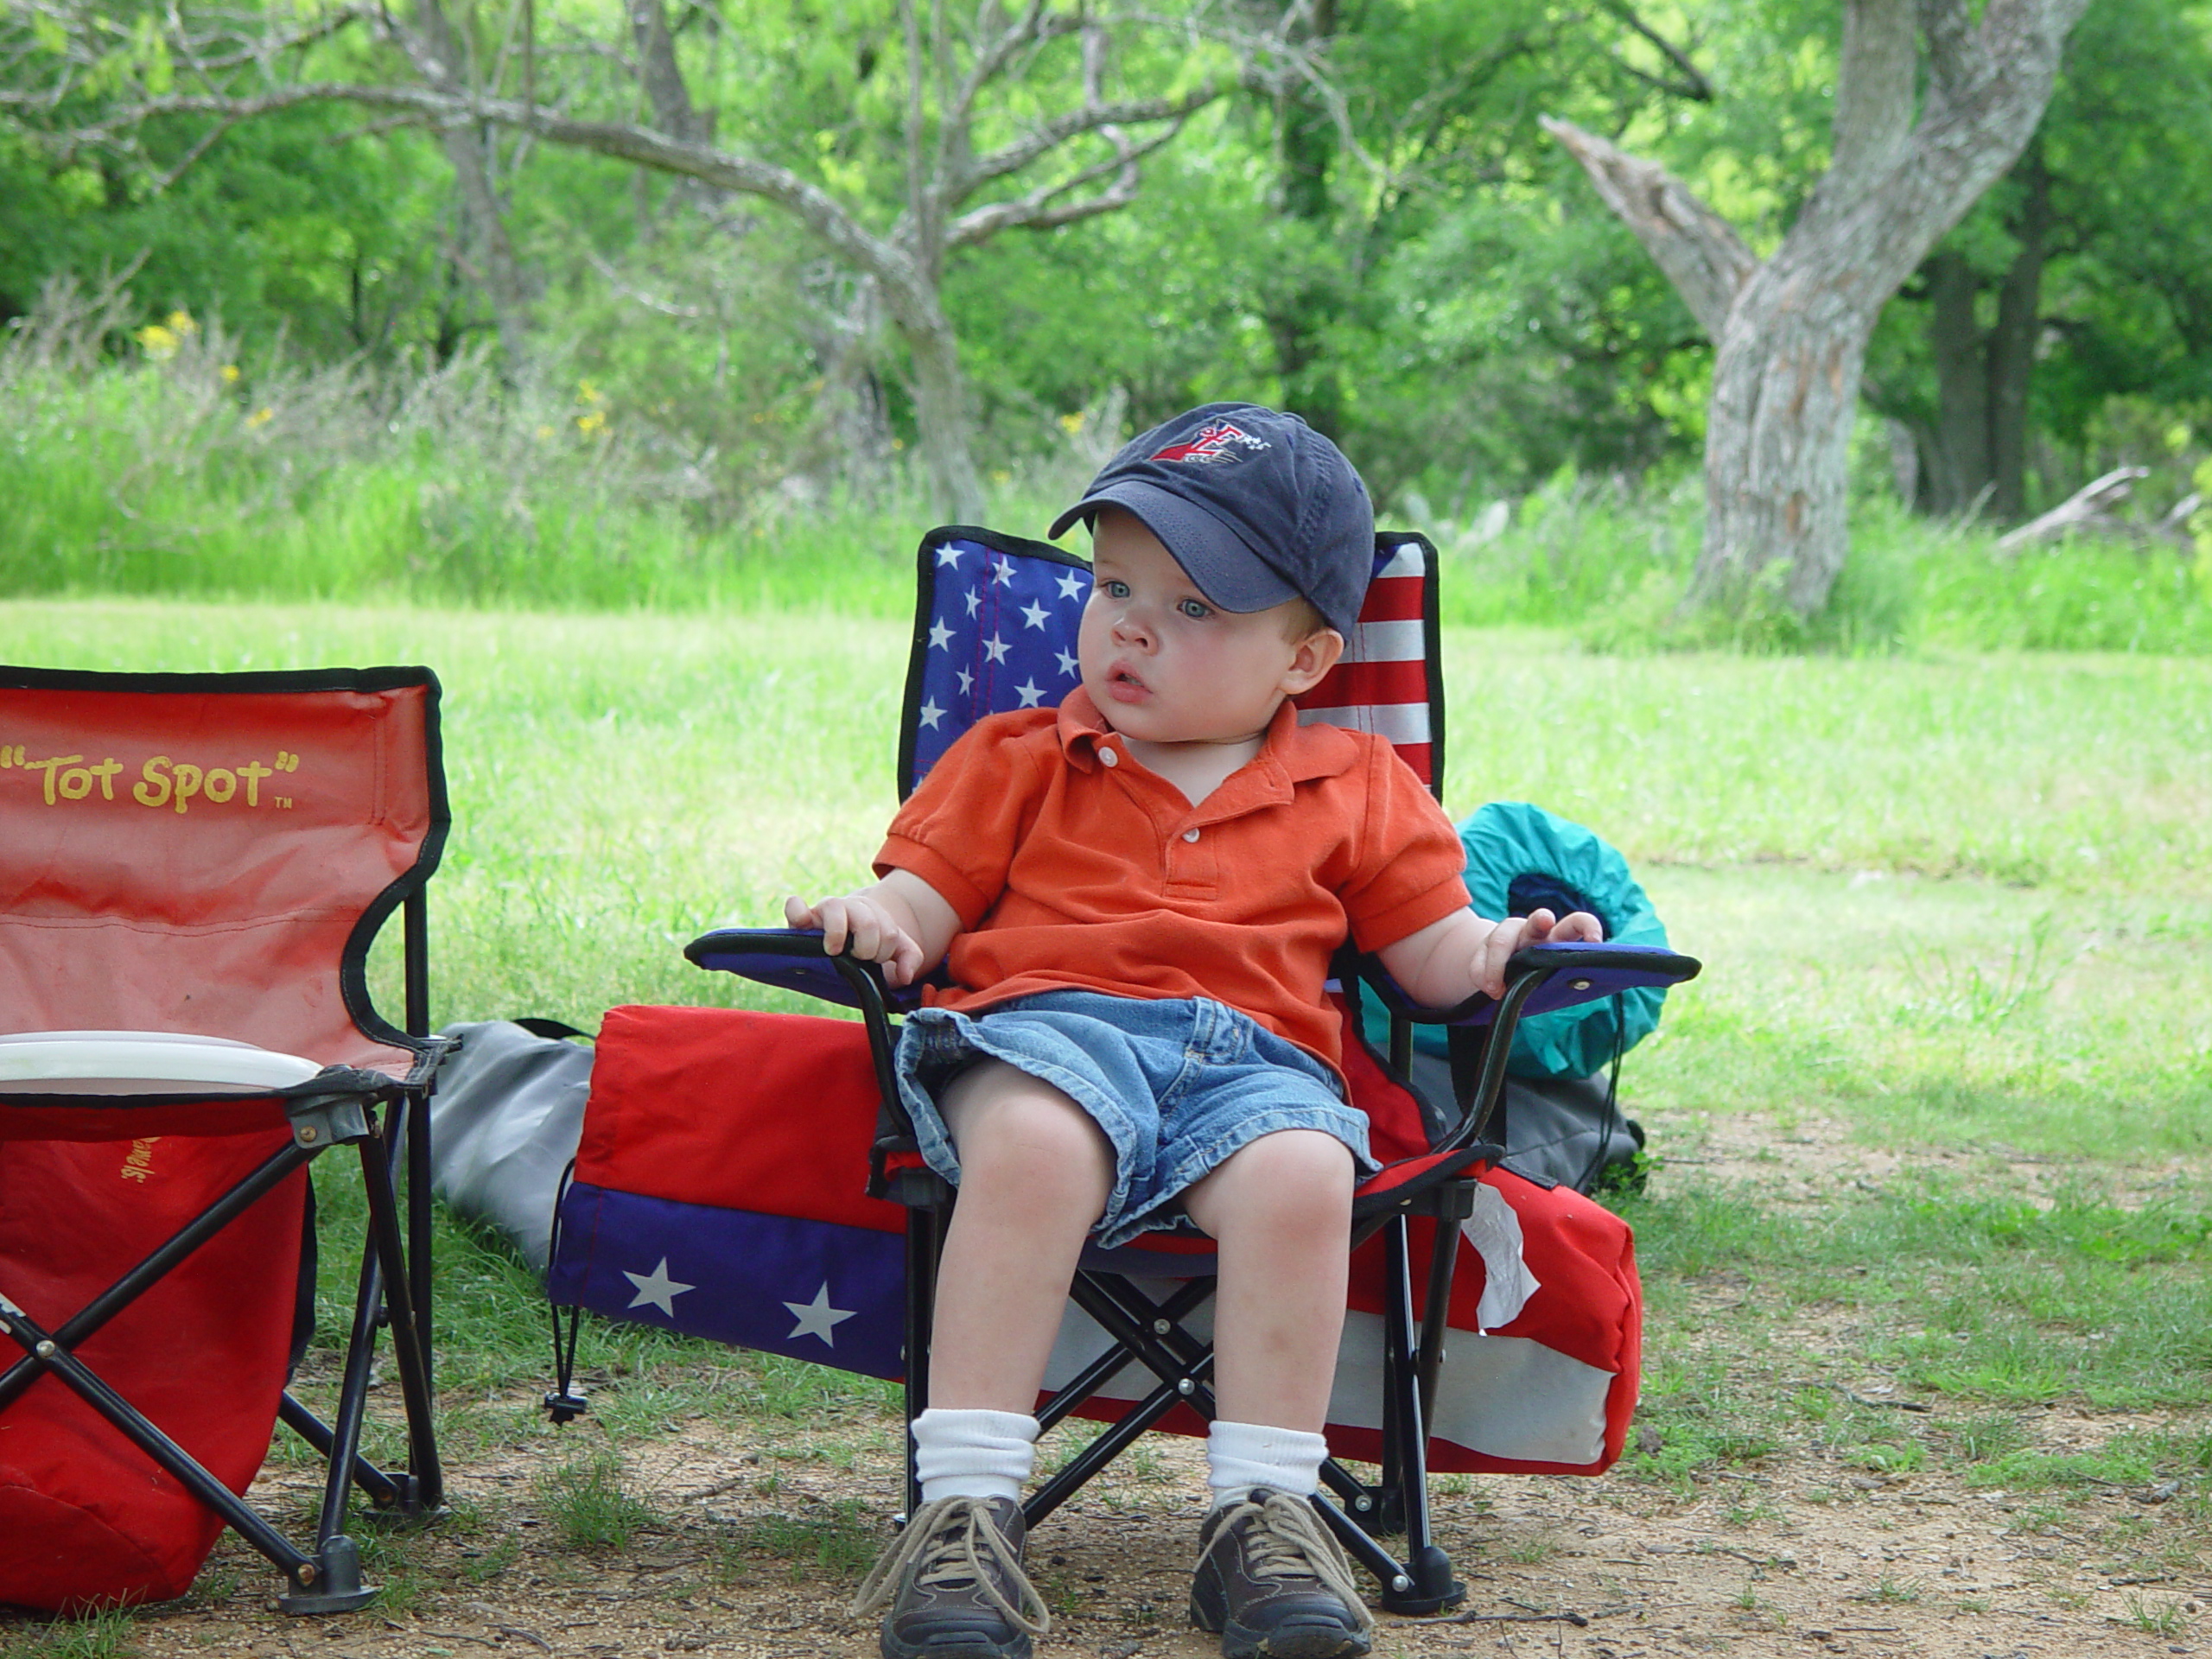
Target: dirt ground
(754, 1542)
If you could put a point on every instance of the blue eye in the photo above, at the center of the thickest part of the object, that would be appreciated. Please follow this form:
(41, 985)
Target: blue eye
(1197, 610)
(1113, 590)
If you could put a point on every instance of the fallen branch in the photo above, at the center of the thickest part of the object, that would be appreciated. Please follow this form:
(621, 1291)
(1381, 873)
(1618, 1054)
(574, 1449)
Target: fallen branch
(1577, 1620)
(2087, 508)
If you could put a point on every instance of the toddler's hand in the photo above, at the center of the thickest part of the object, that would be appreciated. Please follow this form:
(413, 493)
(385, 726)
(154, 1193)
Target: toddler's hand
(860, 923)
(1538, 927)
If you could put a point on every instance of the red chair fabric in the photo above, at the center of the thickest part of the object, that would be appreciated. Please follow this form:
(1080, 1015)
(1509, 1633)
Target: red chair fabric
(86, 1518)
(719, 1191)
(142, 888)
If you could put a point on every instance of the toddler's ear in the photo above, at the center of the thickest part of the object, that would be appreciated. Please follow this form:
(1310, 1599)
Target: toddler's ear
(1311, 659)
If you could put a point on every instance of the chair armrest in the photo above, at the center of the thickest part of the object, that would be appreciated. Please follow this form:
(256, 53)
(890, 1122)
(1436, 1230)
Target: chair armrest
(792, 959)
(1564, 974)
(1538, 978)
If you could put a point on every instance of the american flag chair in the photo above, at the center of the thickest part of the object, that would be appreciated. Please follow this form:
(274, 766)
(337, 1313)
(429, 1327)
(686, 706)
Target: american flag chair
(995, 630)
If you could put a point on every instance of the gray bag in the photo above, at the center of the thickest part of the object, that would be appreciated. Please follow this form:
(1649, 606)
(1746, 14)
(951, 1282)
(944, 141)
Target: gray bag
(503, 1127)
(1558, 1131)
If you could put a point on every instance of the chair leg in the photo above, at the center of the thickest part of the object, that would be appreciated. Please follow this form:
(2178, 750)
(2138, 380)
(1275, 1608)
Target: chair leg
(330, 1578)
(142, 1277)
(924, 1240)
(429, 1470)
(1423, 1582)
(410, 1351)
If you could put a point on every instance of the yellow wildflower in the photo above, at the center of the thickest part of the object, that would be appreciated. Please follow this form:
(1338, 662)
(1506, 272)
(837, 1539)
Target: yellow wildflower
(1072, 424)
(230, 374)
(260, 417)
(160, 340)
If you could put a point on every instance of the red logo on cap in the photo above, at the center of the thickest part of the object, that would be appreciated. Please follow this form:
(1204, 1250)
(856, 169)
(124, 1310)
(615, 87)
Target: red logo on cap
(1212, 444)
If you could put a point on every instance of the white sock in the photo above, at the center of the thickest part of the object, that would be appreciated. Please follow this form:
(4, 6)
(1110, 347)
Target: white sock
(973, 1453)
(1240, 1456)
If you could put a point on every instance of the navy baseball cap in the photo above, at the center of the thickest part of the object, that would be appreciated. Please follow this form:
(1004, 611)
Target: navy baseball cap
(1256, 506)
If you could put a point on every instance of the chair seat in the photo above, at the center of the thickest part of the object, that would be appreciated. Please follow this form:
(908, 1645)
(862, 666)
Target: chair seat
(141, 1063)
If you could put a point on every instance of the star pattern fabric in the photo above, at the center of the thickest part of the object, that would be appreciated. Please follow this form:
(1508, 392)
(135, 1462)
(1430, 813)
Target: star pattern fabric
(656, 1289)
(817, 1317)
(1002, 635)
(1002, 632)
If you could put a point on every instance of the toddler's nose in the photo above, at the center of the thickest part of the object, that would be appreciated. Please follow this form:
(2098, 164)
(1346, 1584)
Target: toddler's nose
(1130, 630)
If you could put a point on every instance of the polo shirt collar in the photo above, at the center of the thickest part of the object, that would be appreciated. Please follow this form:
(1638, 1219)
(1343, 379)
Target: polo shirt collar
(1292, 753)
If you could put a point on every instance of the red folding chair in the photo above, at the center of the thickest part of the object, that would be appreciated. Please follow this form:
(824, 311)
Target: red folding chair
(193, 867)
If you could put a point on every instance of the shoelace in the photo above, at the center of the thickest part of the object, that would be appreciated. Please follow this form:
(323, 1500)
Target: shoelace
(1288, 1539)
(955, 1542)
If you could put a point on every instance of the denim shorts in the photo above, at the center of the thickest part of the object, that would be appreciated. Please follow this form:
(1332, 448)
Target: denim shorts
(1177, 1085)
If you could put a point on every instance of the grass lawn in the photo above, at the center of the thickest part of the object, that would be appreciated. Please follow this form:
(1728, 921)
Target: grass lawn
(1933, 1127)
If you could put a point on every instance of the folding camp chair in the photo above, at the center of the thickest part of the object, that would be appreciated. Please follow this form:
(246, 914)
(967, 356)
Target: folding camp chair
(995, 630)
(193, 867)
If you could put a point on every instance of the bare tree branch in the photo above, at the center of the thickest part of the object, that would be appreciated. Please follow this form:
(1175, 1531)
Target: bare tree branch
(1034, 212)
(743, 175)
(1699, 250)
(1052, 134)
(1035, 24)
(1873, 116)
(208, 141)
(1692, 84)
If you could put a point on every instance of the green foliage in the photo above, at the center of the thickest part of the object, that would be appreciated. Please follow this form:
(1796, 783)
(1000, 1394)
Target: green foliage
(190, 472)
(841, 1538)
(589, 1500)
(107, 1633)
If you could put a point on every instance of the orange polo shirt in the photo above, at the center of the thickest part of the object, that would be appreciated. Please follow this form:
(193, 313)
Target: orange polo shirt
(1074, 867)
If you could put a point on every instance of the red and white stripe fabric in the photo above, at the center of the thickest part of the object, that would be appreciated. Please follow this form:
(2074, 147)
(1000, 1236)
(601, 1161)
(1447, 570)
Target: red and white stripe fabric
(1381, 684)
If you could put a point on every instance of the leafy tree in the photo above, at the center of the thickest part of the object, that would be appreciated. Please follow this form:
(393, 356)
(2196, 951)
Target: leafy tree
(2086, 275)
(1933, 102)
(1003, 120)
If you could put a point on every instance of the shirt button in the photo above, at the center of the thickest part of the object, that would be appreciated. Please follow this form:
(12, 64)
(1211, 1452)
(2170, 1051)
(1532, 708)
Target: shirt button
(1190, 834)
(1108, 758)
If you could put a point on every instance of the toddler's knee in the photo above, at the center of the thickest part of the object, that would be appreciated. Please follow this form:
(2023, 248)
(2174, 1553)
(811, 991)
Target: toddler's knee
(1002, 1118)
(1294, 1183)
(1306, 1165)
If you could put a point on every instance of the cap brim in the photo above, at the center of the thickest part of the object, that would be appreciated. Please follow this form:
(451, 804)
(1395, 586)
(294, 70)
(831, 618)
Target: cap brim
(1211, 553)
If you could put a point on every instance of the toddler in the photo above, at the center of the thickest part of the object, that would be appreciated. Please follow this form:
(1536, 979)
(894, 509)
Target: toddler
(1136, 897)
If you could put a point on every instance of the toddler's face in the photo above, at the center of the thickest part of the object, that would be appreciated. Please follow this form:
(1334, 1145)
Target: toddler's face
(1162, 662)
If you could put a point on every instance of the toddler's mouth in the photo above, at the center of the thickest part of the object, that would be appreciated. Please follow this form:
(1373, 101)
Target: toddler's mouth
(1125, 687)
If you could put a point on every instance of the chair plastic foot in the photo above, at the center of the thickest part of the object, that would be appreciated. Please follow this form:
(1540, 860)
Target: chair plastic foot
(1425, 1586)
(564, 1407)
(335, 1586)
(406, 1511)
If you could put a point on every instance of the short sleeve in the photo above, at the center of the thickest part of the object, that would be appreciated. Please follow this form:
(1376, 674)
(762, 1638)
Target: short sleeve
(1409, 870)
(959, 829)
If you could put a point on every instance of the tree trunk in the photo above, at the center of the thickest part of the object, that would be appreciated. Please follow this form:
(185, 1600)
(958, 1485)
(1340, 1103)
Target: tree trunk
(2012, 343)
(485, 253)
(1298, 317)
(941, 409)
(1785, 390)
(441, 55)
(1959, 477)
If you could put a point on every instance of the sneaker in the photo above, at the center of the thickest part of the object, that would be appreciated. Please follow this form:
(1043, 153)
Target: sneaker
(1273, 1583)
(953, 1584)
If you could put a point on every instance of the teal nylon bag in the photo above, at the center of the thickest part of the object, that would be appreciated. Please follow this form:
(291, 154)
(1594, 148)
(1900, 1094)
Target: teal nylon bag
(1521, 857)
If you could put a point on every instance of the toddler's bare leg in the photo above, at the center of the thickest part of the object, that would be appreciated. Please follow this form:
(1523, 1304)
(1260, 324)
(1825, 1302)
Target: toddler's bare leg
(1281, 1210)
(1035, 1173)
